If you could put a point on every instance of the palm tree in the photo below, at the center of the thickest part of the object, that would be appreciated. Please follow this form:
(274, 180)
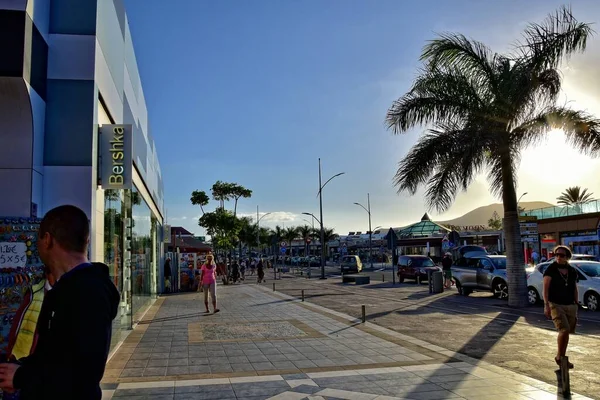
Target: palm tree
(247, 233)
(483, 109)
(573, 196)
(290, 234)
(304, 232)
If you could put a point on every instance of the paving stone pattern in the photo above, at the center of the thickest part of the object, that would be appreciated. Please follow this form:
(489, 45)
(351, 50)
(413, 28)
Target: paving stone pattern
(420, 382)
(320, 352)
(165, 348)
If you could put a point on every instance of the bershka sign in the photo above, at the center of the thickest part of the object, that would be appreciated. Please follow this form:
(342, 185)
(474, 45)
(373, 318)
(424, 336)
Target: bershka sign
(116, 162)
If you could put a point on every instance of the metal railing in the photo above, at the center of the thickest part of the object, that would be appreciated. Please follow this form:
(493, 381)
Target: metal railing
(564, 211)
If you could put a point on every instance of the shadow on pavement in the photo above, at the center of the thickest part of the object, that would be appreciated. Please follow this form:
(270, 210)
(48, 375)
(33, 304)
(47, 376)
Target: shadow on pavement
(174, 318)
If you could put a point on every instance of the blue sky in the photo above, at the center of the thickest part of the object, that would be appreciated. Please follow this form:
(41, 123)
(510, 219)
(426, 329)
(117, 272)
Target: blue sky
(255, 92)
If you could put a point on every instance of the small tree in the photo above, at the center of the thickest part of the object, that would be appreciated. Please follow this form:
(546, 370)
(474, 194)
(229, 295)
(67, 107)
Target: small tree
(222, 225)
(495, 222)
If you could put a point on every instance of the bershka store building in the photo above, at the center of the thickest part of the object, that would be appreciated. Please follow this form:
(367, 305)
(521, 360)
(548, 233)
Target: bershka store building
(74, 130)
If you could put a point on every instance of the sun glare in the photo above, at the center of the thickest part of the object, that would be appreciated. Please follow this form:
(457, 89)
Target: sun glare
(555, 160)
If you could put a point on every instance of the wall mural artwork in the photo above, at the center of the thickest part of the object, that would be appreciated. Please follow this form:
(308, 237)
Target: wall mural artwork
(20, 268)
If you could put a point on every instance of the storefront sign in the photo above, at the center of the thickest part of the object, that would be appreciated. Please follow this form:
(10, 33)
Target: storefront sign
(13, 254)
(116, 164)
(167, 233)
(529, 230)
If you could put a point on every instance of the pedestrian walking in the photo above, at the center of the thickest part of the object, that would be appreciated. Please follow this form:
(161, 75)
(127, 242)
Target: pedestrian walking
(447, 268)
(535, 257)
(243, 269)
(252, 267)
(260, 270)
(75, 320)
(167, 274)
(561, 297)
(208, 277)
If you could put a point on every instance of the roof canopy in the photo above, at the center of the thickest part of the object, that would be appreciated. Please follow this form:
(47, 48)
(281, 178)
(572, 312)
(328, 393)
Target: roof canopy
(425, 228)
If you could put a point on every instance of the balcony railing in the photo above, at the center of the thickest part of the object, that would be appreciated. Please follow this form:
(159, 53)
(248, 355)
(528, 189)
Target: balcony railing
(564, 211)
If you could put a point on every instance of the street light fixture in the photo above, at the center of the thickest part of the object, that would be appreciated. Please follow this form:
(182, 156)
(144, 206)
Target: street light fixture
(368, 210)
(310, 222)
(520, 197)
(258, 228)
(320, 194)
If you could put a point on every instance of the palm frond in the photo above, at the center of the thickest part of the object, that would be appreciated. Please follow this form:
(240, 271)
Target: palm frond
(574, 195)
(437, 96)
(445, 160)
(456, 51)
(548, 43)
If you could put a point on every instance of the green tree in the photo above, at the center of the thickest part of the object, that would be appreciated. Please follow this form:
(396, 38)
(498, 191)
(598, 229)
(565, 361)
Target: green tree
(495, 222)
(483, 108)
(305, 233)
(573, 196)
(222, 225)
(290, 234)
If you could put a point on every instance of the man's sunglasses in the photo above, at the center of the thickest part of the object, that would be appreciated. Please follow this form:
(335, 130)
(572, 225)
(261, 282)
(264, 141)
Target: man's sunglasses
(560, 255)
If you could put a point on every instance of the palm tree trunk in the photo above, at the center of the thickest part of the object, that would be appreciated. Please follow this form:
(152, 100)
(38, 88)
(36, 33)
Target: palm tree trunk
(515, 268)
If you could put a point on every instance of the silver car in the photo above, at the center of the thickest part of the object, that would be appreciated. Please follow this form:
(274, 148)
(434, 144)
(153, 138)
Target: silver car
(481, 273)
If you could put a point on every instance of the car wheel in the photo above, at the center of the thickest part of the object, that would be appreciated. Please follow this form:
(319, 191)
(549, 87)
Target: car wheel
(532, 296)
(500, 289)
(461, 290)
(591, 301)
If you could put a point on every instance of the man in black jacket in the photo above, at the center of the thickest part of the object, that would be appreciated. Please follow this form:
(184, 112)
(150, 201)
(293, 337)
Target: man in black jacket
(74, 326)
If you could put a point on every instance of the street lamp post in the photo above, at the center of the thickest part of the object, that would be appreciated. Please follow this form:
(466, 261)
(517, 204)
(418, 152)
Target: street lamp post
(368, 210)
(258, 228)
(320, 194)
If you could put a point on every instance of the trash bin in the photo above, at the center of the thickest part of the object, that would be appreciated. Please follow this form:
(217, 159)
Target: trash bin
(436, 281)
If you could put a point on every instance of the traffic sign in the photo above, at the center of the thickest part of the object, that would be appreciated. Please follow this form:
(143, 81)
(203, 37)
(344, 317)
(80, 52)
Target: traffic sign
(283, 244)
(344, 244)
(445, 238)
(283, 250)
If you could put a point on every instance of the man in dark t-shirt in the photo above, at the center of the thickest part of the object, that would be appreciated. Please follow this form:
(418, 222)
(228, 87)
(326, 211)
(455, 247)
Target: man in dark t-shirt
(560, 298)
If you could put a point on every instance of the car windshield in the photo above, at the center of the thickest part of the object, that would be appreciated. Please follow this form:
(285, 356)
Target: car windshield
(499, 263)
(591, 270)
(421, 262)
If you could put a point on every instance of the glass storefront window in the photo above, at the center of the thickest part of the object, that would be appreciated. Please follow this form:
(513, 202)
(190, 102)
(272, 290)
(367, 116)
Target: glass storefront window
(143, 242)
(115, 212)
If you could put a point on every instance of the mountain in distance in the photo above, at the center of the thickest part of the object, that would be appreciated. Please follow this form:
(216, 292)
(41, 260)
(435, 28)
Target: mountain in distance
(481, 215)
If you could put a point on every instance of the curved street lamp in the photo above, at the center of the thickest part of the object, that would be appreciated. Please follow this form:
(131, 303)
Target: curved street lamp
(258, 227)
(368, 210)
(320, 194)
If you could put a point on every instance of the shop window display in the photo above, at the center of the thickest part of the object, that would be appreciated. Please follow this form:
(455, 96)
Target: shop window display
(20, 268)
(115, 214)
(143, 242)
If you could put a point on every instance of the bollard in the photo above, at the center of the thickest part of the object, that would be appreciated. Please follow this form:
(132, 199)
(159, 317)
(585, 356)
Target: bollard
(273, 286)
(302, 294)
(364, 314)
(382, 277)
(564, 375)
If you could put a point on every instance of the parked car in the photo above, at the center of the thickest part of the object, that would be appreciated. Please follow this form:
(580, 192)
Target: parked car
(351, 264)
(481, 273)
(588, 285)
(415, 267)
(587, 257)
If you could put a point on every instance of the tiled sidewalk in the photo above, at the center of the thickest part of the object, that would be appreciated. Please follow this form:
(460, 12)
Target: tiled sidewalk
(266, 345)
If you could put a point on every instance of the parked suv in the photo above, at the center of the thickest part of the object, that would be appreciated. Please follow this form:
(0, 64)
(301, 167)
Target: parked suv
(350, 264)
(481, 273)
(415, 267)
